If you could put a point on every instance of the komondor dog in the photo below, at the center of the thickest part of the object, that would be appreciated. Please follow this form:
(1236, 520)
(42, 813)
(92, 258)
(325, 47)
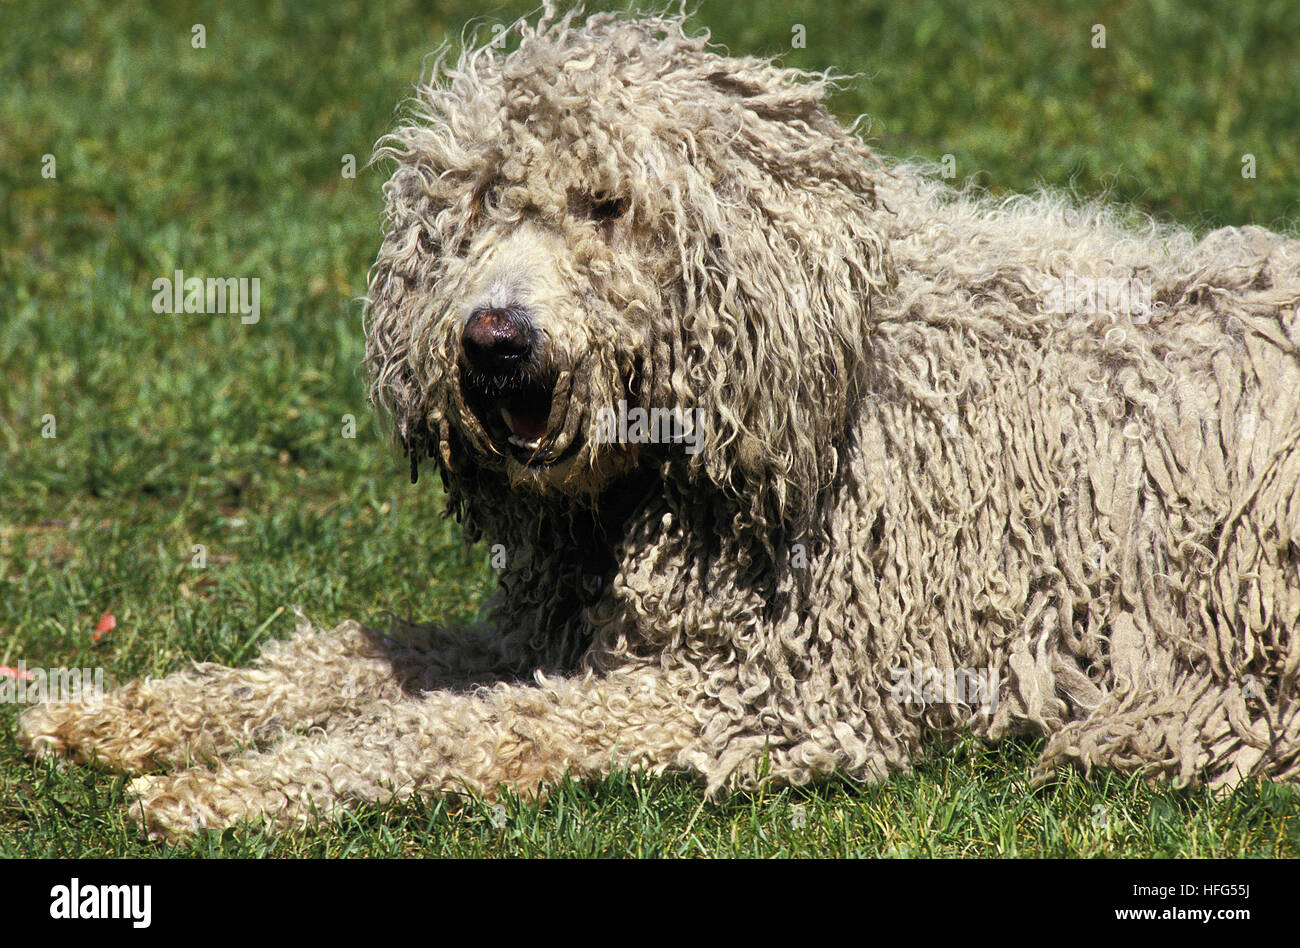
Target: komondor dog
(788, 456)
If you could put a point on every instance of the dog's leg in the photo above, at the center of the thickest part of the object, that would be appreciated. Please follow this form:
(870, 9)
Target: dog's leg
(1200, 730)
(514, 735)
(208, 710)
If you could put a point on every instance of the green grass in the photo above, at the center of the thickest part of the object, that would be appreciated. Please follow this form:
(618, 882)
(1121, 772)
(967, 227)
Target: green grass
(972, 800)
(173, 431)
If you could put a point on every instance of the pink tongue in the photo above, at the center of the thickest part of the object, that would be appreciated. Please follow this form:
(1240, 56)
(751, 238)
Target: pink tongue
(527, 426)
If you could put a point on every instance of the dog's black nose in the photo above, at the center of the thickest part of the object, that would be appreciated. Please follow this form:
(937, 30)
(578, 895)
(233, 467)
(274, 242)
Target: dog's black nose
(496, 339)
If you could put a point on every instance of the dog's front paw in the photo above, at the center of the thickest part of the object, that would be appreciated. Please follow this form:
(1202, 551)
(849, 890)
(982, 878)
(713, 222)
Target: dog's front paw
(173, 806)
(43, 731)
(115, 730)
(164, 810)
(81, 731)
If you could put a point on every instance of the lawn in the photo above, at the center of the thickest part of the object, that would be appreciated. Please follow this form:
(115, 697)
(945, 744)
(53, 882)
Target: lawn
(135, 446)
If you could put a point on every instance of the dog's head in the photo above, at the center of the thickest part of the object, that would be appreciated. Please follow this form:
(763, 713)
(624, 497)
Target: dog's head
(611, 248)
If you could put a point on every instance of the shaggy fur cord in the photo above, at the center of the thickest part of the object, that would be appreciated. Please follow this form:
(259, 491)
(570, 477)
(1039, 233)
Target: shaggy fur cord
(911, 459)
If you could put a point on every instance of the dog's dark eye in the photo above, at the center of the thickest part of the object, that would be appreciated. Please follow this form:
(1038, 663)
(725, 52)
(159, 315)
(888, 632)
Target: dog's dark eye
(608, 209)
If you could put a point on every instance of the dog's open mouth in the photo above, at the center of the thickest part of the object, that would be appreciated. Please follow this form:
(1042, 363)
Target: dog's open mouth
(522, 418)
(517, 418)
(526, 417)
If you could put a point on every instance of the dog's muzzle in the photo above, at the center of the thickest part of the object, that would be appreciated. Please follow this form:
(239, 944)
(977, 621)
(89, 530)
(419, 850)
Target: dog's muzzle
(506, 383)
